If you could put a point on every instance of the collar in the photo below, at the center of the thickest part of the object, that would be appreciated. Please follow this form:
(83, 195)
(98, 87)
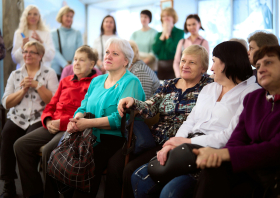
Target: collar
(65, 29)
(272, 98)
(24, 71)
(91, 74)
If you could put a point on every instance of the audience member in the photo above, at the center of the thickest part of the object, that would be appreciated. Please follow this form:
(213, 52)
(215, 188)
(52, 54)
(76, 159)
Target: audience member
(32, 28)
(215, 115)
(66, 40)
(174, 101)
(166, 42)
(192, 25)
(2, 47)
(251, 156)
(27, 92)
(242, 41)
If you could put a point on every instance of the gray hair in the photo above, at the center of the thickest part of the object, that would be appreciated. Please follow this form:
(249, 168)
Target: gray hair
(124, 46)
(242, 41)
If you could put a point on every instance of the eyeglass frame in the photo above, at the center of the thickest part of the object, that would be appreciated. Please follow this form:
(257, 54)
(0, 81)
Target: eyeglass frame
(30, 52)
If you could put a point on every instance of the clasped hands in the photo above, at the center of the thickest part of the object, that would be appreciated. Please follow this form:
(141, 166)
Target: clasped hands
(28, 82)
(78, 124)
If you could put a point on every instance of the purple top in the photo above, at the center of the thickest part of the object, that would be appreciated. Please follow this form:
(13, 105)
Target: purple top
(255, 142)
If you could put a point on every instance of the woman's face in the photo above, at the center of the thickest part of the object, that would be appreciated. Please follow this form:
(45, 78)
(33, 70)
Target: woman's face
(191, 67)
(67, 19)
(82, 65)
(31, 56)
(33, 17)
(193, 26)
(145, 20)
(167, 18)
(218, 68)
(108, 25)
(114, 59)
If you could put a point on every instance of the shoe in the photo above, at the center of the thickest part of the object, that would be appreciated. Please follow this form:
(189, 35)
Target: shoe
(9, 190)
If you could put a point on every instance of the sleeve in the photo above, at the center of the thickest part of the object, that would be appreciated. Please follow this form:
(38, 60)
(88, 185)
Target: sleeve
(132, 37)
(17, 51)
(49, 48)
(206, 45)
(79, 40)
(158, 44)
(58, 56)
(52, 82)
(177, 58)
(10, 88)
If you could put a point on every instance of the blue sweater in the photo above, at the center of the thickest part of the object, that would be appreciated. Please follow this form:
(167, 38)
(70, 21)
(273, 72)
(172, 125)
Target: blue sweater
(71, 40)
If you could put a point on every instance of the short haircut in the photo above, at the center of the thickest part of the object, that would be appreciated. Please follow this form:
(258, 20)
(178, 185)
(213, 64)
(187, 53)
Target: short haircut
(242, 41)
(148, 13)
(124, 46)
(39, 47)
(92, 55)
(170, 12)
(135, 50)
(192, 16)
(263, 38)
(266, 50)
(199, 51)
(64, 10)
(234, 55)
(115, 27)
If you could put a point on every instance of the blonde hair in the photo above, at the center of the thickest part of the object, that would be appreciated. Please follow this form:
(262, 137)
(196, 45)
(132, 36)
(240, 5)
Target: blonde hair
(39, 47)
(170, 12)
(135, 50)
(62, 11)
(23, 24)
(199, 51)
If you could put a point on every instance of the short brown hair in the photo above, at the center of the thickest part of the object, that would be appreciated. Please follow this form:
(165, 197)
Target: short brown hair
(170, 12)
(62, 11)
(39, 47)
(93, 56)
(263, 38)
(266, 50)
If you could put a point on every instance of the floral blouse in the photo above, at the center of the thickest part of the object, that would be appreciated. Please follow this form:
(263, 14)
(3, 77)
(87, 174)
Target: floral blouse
(173, 106)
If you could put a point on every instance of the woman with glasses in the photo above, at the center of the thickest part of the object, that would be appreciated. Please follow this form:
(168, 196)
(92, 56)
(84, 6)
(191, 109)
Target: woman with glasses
(27, 92)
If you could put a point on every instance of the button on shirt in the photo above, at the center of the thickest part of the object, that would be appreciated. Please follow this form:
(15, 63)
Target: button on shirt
(28, 111)
(216, 119)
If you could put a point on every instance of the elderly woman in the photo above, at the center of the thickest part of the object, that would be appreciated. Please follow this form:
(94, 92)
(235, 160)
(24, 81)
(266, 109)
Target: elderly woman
(166, 42)
(147, 77)
(32, 28)
(211, 121)
(174, 101)
(27, 92)
(102, 98)
(55, 117)
(251, 156)
(66, 40)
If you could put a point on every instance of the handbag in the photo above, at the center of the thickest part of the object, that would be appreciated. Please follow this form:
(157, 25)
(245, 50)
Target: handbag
(180, 161)
(72, 162)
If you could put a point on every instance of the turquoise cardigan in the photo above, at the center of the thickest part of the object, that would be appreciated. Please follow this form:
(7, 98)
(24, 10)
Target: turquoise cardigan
(104, 102)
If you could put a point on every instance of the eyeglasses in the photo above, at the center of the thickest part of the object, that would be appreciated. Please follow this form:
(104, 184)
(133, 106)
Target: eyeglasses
(30, 52)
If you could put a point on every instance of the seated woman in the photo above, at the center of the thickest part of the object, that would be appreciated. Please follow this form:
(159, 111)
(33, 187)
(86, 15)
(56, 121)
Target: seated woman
(215, 115)
(174, 101)
(146, 75)
(251, 156)
(102, 99)
(55, 117)
(27, 92)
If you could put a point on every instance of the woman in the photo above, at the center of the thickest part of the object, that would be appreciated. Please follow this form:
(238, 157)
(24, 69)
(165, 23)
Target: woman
(66, 40)
(165, 43)
(32, 28)
(211, 121)
(147, 77)
(27, 92)
(102, 98)
(192, 25)
(55, 118)
(251, 156)
(144, 38)
(174, 101)
(108, 30)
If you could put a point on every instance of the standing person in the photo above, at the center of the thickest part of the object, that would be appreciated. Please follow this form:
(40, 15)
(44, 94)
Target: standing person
(32, 28)
(66, 40)
(27, 92)
(192, 25)
(166, 42)
(108, 30)
(144, 38)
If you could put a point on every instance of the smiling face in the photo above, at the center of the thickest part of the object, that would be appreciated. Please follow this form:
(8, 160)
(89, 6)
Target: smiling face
(114, 59)
(67, 19)
(109, 25)
(253, 47)
(218, 68)
(82, 65)
(33, 17)
(145, 20)
(31, 56)
(193, 26)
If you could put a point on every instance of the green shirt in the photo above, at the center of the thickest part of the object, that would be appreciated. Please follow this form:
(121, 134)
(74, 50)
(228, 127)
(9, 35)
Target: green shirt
(165, 50)
(104, 102)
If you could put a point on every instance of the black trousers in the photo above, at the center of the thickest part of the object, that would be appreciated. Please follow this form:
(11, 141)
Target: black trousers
(11, 132)
(102, 153)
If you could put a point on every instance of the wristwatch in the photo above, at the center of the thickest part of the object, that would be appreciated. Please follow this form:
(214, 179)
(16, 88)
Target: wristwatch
(39, 85)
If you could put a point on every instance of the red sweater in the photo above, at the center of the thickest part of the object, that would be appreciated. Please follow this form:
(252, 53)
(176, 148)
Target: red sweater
(66, 100)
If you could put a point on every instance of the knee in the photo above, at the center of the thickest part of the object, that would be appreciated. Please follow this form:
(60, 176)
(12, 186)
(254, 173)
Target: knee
(46, 151)
(19, 145)
(128, 170)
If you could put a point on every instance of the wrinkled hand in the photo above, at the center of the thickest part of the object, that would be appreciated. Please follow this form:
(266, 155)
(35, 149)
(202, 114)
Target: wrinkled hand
(176, 141)
(81, 123)
(26, 82)
(162, 154)
(53, 126)
(24, 41)
(207, 157)
(125, 103)
(36, 36)
(71, 127)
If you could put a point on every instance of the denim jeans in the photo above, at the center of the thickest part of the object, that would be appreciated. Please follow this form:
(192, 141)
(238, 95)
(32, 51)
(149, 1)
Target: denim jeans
(144, 187)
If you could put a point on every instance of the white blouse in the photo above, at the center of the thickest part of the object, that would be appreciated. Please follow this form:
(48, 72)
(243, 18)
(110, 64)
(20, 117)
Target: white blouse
(30, 108)
(216, 119)
(47, 42)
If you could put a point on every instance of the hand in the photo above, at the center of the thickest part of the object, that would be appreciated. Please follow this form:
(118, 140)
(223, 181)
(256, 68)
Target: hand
(125, 103)
(71, 127)
(81, 123)
(162, 154)
(176, 141)
(26, 82)
(208, 157)
(53, 126)
(36, 36)
(167, 28)
(24, 41)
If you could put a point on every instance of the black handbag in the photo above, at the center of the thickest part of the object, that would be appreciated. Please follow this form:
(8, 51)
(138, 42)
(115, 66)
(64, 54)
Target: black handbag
(180, 161)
